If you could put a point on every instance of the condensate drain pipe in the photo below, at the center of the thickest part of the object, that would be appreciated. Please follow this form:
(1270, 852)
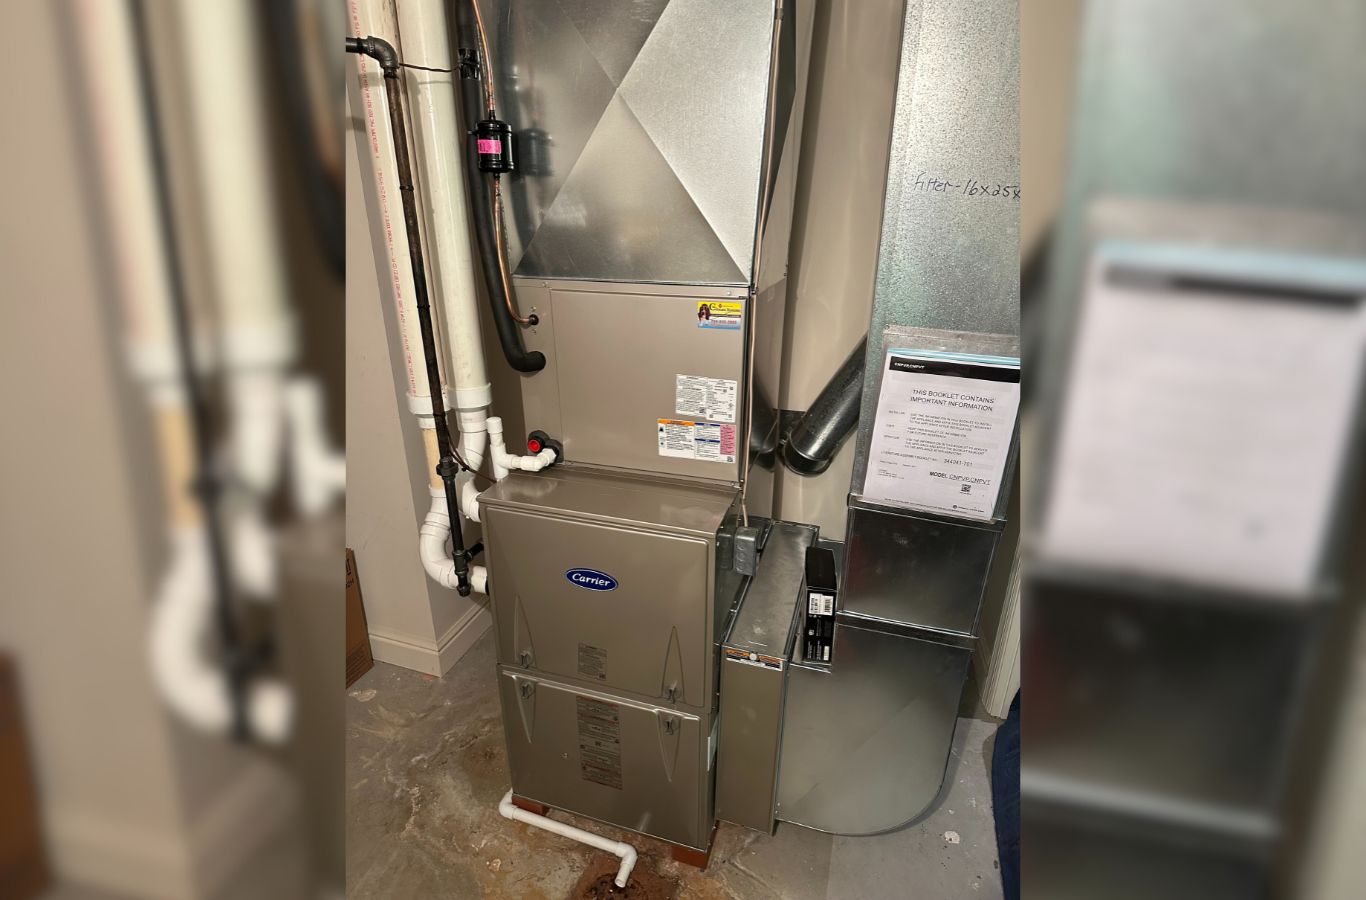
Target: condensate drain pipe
(617, 848)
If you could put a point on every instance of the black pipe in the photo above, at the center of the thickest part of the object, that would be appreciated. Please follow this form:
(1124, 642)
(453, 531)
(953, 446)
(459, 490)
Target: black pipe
(481, 199)
(239, 660)
(818, 434)
(383, 52)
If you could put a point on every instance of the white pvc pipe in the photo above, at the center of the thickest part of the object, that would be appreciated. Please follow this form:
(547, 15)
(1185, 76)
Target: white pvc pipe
(504, 462)
(438, 142)
(182, 618)
(616, 848)
(436, 558)
(317, 472)
(375, 18)
(108, 58)
(229, 126)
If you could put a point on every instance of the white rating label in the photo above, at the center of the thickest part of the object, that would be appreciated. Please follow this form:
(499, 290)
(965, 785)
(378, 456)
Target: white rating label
(705, 398)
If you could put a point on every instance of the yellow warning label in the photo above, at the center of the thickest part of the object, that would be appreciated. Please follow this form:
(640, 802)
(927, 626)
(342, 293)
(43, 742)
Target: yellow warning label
(719, 315)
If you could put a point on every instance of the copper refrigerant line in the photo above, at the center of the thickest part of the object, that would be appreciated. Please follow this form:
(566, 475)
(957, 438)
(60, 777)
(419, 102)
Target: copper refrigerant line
(491, 116)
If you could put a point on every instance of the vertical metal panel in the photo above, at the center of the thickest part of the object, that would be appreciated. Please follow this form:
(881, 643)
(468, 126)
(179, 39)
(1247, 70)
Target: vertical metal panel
(865, 745)
(949, 252)
(752, 688)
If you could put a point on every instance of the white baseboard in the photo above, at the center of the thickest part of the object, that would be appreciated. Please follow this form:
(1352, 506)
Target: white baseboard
(104, 853)
(431, 657)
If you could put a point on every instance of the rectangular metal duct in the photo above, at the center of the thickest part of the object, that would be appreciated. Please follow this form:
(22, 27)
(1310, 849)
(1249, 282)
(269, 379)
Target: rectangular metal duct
(866, 738)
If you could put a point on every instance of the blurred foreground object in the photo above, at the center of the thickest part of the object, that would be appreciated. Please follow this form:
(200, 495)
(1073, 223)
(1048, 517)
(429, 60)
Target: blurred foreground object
(216, 488)
(119, 209)
(1191, 597)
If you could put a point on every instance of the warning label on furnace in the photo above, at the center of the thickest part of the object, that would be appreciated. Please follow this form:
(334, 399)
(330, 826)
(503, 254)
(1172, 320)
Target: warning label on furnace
(706, 398)
(750, 658)
(599, 741)
(592, 662)
(683, 439)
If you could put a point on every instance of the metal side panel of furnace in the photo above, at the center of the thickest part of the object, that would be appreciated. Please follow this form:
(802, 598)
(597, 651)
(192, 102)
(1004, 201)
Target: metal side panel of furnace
(608, 596)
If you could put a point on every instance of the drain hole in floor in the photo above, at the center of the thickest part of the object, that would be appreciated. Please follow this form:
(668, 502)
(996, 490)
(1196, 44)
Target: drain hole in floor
(597, 884)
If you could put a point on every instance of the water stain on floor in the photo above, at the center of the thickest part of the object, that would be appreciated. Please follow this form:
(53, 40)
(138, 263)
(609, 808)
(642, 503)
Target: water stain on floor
(426, 768)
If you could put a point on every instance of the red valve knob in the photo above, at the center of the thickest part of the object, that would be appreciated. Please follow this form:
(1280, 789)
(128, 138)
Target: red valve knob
(533, 445)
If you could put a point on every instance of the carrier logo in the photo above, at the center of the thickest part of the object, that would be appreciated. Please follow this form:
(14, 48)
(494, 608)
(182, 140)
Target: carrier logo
(591, 579)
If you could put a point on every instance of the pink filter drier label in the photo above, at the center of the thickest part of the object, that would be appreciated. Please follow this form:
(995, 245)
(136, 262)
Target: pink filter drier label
(489, 145)
(727, 440)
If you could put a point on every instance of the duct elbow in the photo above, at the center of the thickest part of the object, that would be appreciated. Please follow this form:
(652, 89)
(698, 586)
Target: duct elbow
(817, 437)
(802, 464)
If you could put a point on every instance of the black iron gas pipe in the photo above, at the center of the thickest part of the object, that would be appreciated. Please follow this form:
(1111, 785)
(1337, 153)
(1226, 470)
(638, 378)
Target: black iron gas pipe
(383, 52)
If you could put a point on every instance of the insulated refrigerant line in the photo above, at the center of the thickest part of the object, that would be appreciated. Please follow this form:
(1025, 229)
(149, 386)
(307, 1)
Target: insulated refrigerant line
(383, 52)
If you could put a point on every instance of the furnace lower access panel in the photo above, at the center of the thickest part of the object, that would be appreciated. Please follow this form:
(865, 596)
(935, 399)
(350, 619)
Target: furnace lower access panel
(608, 594)
(630, 764)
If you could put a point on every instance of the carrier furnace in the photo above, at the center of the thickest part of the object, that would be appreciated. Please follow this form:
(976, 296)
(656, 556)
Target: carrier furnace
(648, 216)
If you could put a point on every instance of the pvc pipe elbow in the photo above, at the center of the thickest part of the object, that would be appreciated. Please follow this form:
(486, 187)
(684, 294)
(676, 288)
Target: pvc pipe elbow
(195, 690)
(436, 559)
(431, 544)
(509, 810)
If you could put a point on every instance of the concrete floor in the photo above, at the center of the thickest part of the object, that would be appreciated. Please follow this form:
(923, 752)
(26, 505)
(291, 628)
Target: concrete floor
(426, 769)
